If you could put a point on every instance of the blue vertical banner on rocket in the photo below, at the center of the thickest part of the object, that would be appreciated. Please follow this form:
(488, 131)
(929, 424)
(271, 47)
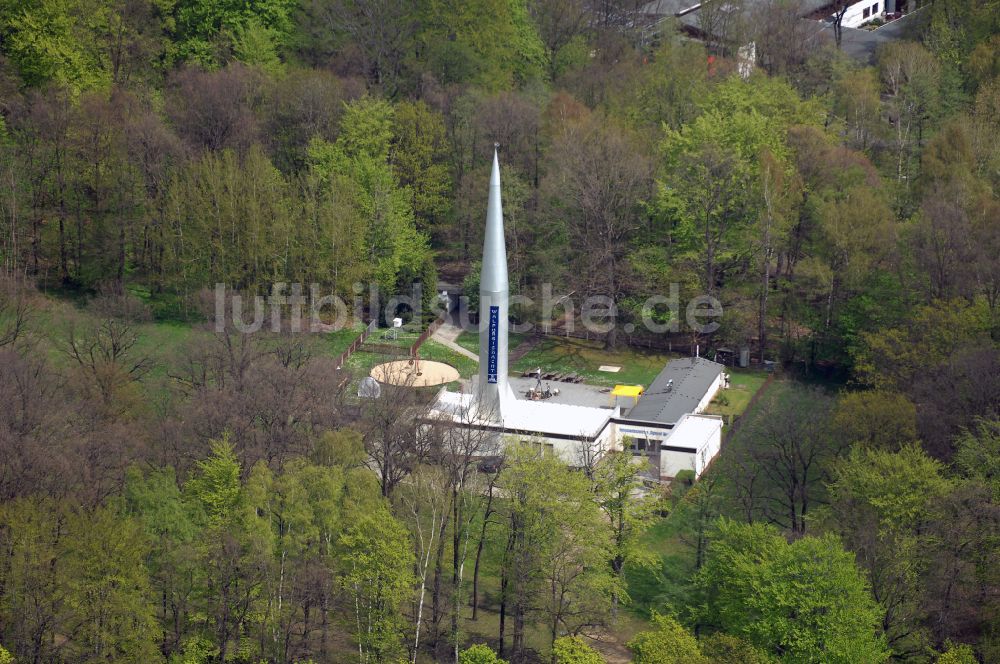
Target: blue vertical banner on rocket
(494, 332)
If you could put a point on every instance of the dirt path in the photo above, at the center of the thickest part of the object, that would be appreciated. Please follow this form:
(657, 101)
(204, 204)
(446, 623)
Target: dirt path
(446, 335)
(610, 647)
(523, 348)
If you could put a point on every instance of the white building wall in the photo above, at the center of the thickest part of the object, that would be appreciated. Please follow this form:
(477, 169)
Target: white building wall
(855, 15)
(709, 450)
(702, 433)
(710, 394)
(672, 463)
(572, 452)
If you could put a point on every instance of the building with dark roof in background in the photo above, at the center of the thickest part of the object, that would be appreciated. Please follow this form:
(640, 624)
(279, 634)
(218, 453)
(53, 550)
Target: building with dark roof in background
(668, 424)
(815, 22)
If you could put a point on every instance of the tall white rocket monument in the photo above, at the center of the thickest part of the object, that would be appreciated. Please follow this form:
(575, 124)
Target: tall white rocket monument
(494, 296)
(492, 404)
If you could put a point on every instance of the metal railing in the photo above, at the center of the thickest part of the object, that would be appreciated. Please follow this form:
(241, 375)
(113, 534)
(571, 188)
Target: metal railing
(431, 329)
(356, 344)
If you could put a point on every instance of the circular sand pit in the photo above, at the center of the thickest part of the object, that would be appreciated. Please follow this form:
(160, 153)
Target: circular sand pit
(426, 373)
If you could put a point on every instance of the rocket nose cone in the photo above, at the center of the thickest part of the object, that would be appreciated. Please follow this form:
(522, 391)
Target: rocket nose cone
(493, 277)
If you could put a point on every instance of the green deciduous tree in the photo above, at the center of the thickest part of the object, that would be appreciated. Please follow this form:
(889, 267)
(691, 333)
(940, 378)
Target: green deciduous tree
(559, 23)
(48, 41)
(479, 654)
(357, 164)
(978, 454)
(572, 650)
(32, 531)
(79, 573)
(890, 358)
(720, 648)
(377, 573)
(957, 653)
(617, 481)
(668, 90)
(805, 601)
(419, 159)
(207, 32)
(875, 419)
(667, 643)
(706, 198)
(490, 42)
(881, 503)
(234, 549)
(857, 103)
(715, 178)
(109, 612)
(155, 500)
(556, 549)
(857, 236)
(228, 222)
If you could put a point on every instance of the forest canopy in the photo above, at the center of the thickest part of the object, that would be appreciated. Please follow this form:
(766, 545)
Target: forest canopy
(170, 492)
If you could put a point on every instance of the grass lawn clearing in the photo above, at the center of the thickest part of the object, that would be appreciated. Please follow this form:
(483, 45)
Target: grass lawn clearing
(581, 356)
(743, 384)
(338, 341)
(432, 350)
(664, 585)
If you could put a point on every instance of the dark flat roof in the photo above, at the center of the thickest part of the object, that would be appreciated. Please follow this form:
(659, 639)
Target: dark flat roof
(666, 403)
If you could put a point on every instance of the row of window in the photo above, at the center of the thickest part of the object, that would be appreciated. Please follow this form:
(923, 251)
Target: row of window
(545, 449)
(642, 446)
(870, 11)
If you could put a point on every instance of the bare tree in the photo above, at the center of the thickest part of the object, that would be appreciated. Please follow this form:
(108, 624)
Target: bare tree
(952, 395)
(35, 452)
(588, 453)
(943, 242)
(15, 310)
(272, 393)
(388, 424)
(214, 110)
(459, 443)
(488, 511)
(784, 40)
(724, 25)
(840, 8)
(963, 562)
(558, 21)
(104, 347)
(615, 15)
(12, 200)
(381, 29)
(597, 176)
(697, 507)
(789, 450)
(424, 500)
(911, 80)
(857, 101)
